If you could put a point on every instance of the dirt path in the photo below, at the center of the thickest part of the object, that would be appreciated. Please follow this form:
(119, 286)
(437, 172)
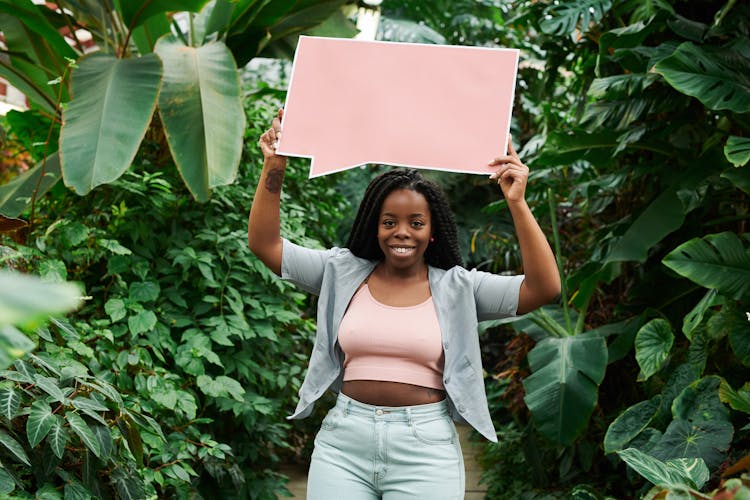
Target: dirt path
(474, 491)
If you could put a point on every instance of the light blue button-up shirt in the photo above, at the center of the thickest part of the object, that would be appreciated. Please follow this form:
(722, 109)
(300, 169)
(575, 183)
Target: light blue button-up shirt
(462, 298)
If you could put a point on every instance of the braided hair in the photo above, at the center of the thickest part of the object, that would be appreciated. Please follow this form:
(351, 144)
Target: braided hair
(363, 240)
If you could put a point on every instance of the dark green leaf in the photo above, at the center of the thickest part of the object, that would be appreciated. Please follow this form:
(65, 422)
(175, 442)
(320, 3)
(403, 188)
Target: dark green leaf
(705, 440)
(83, 430)
(39, 422)
(58, 436)
(14, 447)
(629, 424)
(10, 401)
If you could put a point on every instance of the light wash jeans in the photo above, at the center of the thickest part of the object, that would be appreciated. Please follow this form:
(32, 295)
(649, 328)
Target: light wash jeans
(390, 453)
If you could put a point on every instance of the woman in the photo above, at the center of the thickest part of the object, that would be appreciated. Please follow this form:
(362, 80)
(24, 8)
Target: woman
(397, 329)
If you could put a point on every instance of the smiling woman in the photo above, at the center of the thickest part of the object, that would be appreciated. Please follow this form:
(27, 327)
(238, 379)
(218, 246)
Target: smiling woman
(397, 329)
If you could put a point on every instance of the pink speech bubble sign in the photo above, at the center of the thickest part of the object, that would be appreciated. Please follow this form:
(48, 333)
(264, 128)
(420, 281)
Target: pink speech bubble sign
(440, 107)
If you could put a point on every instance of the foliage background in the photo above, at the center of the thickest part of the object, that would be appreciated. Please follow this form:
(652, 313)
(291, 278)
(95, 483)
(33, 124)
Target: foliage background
(634, 119)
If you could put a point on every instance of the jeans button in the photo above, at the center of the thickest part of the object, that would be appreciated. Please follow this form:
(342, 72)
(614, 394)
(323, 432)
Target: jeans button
(378, 412)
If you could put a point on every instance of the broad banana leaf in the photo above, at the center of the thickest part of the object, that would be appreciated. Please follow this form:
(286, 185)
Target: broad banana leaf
(717, 77)
(562, 391)
(717, 261)
(16, 194)
(136, 12)
(201, 109)
(113, 101)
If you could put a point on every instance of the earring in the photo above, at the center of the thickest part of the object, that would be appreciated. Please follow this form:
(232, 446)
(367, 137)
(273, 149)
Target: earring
(432, 240)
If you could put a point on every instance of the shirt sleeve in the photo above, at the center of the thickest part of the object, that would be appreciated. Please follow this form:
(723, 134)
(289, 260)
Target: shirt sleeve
(304, 266)
(496, 296)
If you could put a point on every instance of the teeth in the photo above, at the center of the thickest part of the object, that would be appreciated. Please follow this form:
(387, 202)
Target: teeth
(401, 249)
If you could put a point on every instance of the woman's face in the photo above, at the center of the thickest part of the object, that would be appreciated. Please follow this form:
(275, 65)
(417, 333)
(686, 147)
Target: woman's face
(404, 228)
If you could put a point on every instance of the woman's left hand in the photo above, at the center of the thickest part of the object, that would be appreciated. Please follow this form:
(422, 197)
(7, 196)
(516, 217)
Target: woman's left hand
(512, 175)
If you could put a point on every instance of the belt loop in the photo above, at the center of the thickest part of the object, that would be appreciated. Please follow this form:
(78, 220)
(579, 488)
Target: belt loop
(408, 415)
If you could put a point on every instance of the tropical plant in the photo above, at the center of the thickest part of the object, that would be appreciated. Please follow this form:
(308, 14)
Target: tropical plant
(144, 60)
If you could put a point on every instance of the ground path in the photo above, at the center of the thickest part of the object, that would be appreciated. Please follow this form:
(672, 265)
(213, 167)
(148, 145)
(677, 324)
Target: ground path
(474, 491)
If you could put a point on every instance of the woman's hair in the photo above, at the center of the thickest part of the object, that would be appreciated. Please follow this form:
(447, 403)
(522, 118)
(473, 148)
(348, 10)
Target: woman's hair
(363, 239)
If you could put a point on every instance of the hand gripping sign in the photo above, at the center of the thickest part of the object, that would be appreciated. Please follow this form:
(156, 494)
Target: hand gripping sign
(441, 107)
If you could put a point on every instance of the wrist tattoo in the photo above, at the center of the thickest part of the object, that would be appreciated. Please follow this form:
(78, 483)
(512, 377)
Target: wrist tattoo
(274, 179)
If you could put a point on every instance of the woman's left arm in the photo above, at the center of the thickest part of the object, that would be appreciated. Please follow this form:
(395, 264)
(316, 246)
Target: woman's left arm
(542, 283)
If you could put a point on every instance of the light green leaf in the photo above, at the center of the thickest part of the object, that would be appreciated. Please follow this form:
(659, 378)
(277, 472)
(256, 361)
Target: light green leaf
(222, 386)
(16, 195)
(58, 436)
(114, 246)
(739, 400)
(562, 391)
(26, 300)
(201, 108)
(10, 402)
(144, 291)
(115, 308)
(717, 77)
(629, 424)
(39, 422)
(14, 447)
(652, 345)
(83, 430)
(737, 150)
(141, 322)
(107, 118)
(664, 474)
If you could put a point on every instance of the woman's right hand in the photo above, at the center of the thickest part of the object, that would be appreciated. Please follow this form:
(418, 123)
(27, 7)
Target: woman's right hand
(270, 138)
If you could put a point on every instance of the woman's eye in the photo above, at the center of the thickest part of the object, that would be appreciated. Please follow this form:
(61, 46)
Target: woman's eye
(417, 223)
(388, 223)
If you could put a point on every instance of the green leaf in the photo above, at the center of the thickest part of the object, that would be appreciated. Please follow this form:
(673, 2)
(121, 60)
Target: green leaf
(146, 34)
(700, 402)
(630, 423)
(694, 318)
(39, 422)
(706, 440)
(128, 484)
(652, 345)
(144, 291)
(737, 150)
(14, 447)
(663, 216)
(740, 177)
(561, 393)
(115, 308)
(26, 300)
(104, 123)
(674, 473)
(49, 385)
(83, 430)
(739, 400)
(16, 195)
(716, 261)
(566, 18)
(717, 77)
(213, 19)
(58, 436)
(221, 386)
(201, 108)
(142, 321)
(7, 484)
(136, 12)
(10, 402)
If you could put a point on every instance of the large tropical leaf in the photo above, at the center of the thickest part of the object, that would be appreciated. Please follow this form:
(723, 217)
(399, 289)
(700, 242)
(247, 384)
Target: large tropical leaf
(561, 393)
(629, 424)
(738, 399)
(136, 12)
(691, 472)
(17, 194)
(737, 150)
(700, 402)
(568, 16)
(201, 109)
(707, 74)
(706, 440)
(113, 100)
(717, 261)
(652, 345)
(663, 216)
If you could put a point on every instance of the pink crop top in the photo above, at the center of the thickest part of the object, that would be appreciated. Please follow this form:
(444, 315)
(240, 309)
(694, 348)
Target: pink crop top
(388, 343)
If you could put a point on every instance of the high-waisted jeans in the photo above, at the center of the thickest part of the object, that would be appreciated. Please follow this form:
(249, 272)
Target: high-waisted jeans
(391, 453)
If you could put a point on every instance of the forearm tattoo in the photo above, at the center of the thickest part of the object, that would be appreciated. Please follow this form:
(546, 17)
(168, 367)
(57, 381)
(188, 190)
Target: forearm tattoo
(274, 179)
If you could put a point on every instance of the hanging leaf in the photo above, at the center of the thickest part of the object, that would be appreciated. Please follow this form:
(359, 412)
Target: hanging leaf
(58, 436)
(10, 401)
(629, 424)
(39, 422)
(83, 430)
(652, 345)
(717, 77)
(737, 150)
(561, 393)
(14, 447)
(201, 108)
(717, 261)
(692, 472)
(104, 123)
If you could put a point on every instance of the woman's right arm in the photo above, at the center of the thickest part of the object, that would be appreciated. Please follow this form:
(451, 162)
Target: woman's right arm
(263, 231)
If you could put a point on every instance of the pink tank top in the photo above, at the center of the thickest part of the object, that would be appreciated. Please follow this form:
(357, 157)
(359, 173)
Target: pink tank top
(388, 343)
